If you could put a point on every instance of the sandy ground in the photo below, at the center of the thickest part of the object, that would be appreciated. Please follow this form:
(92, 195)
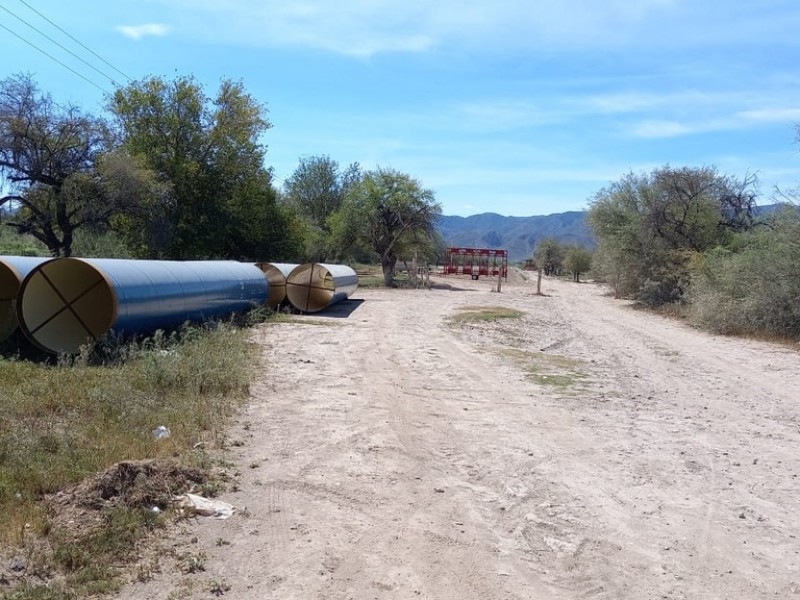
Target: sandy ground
(586, 450)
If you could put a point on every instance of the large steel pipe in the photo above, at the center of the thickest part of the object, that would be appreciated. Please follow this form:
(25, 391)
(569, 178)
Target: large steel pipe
(67, 302)
(13, 270)
(276, 275)
(312, 287)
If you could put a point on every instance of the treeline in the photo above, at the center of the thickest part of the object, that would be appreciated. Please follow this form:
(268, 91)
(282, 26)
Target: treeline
(695, 238)
(170, 172)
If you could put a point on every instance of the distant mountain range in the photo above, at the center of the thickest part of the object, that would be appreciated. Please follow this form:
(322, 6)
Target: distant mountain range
(518, 235)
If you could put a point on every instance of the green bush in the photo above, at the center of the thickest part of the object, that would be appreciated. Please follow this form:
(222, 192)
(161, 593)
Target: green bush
(649, 227)
(753, 286)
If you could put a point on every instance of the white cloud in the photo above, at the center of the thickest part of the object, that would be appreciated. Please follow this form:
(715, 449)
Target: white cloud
(364, 28)
(661, 129)
(137, 32)
(499, 115)
(639, 101)
(727, 121)
(771, 115)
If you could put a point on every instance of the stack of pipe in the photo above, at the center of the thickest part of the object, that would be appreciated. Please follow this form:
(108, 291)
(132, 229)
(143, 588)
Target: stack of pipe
(61, 304)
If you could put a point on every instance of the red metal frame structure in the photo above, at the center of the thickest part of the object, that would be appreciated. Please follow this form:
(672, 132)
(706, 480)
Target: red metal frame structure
(476, 262)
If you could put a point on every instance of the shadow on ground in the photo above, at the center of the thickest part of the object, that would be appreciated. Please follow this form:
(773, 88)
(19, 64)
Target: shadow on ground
(340, 310)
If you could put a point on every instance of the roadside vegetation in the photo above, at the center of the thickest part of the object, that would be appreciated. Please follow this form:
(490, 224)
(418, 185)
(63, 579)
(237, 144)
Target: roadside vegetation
(693, 242)
(64, 422)
(752, 285)
(14, 244)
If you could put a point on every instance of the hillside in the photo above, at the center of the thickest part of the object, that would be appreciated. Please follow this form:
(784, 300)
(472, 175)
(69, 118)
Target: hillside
(518, 235)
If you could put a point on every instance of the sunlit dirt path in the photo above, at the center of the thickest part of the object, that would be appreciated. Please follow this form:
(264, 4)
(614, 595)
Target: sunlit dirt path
(584, 450)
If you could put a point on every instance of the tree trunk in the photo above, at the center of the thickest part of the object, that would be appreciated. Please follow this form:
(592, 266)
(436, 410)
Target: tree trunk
(387, 264)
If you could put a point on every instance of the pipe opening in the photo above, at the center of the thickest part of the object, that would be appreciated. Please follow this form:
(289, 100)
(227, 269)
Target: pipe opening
(65, 304)
(9, 287)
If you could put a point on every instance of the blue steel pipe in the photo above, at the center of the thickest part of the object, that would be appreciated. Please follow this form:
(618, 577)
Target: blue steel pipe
(67, 302)
(13, 270)
(312, 287)
(276, 275)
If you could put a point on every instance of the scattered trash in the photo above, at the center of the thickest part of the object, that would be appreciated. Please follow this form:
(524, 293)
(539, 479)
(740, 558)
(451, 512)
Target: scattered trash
(206, 507)
(161, 432)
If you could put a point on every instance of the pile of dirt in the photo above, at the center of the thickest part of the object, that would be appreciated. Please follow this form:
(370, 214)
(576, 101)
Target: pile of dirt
(149, 484)
(136, 484)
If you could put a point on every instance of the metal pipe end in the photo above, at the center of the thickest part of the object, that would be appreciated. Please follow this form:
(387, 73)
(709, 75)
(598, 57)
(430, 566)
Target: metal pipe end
(64, 304)
(312, 287)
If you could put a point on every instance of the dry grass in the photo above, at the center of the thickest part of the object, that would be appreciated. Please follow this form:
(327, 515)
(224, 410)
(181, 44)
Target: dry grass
(62, 423)
(473, 314)
(552, 370)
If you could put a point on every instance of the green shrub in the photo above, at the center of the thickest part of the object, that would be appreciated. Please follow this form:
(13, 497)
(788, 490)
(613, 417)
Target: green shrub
(752, 287)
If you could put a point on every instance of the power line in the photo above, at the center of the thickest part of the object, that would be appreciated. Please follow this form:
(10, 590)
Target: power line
(76, 40)
(53, 58)
(111, 79)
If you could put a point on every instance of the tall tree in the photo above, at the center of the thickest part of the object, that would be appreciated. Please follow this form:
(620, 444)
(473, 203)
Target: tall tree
(221, 202)
(316, 190)
(48, 158)
(577, 260)
(389, 212)
(549, 256)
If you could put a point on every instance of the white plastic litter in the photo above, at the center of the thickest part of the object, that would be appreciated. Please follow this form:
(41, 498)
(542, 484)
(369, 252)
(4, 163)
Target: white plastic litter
(161, 432)
(207, 507)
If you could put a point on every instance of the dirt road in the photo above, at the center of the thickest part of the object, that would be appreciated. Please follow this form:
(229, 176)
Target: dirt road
(585, 450)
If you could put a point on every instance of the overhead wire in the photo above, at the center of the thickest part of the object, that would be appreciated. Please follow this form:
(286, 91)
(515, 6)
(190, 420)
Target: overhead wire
(40, 32)
(76, 40)
(53, 58)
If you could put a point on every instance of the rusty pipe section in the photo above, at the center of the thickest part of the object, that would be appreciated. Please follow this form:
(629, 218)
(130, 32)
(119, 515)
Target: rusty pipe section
(312, 287)
(276, 276)
(67, 302)
(13, 270)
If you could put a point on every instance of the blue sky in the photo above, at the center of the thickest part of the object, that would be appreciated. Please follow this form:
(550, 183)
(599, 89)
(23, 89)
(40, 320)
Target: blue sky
(520, 107)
